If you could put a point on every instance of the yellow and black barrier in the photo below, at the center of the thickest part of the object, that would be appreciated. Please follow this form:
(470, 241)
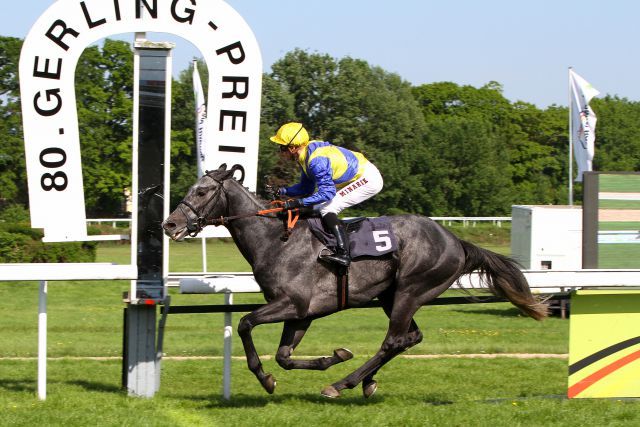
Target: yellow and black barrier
(604, 344)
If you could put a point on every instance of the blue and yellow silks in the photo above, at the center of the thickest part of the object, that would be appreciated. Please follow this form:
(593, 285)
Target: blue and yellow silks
(326, 167)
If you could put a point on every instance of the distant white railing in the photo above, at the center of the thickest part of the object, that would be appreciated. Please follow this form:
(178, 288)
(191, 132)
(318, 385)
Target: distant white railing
(113, 221)
(466, 220)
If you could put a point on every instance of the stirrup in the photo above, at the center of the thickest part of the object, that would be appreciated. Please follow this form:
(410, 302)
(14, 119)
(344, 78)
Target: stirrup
(343, 260)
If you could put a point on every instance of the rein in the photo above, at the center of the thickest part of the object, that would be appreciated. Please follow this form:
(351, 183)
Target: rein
(289, 223)
(195, 226)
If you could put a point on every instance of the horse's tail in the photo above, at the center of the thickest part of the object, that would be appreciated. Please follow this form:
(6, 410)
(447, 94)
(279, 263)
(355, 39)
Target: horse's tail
(504, 279)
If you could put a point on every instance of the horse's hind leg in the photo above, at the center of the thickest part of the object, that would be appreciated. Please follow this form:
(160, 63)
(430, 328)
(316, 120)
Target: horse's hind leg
(369, 385)
(292, 334)
(397, 340)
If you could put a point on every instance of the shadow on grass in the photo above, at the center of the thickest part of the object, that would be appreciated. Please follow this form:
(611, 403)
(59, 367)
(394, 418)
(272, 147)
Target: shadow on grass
(435, 401)
(18, 385)
(524, 398)
(95, 386)
(504, 312)
(244, 401)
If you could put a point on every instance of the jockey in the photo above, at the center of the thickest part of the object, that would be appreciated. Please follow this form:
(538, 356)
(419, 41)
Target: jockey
(332, 179)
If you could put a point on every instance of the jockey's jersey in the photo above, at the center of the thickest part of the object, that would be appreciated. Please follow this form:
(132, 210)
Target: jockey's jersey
(326, 167)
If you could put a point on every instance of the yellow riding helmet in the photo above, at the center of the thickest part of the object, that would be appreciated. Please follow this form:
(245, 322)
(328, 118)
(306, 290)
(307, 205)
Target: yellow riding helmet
(291, 134)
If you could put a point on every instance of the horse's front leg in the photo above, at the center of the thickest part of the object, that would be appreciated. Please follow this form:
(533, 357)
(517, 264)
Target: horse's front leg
(398, 339)
(292, 334)
(272, 312)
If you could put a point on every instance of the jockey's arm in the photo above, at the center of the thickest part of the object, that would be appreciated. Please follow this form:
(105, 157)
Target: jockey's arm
(302, 188)
(320, 169)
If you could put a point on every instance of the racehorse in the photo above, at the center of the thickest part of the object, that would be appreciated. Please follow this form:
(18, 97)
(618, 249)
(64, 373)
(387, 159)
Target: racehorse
(299, 288)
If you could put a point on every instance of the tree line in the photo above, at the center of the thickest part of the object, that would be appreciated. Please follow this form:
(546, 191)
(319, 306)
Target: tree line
(444, 149)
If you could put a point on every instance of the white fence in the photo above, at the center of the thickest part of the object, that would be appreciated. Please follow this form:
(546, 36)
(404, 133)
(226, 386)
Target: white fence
(114, 221)
(449, 220)
(466, 220)
(62, 271)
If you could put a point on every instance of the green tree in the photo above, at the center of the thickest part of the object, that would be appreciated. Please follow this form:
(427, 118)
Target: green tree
(466, 171)
(617, 145)
(13, 176)
(104, 86)
(350, 103)
(183, 146)
(277, 108)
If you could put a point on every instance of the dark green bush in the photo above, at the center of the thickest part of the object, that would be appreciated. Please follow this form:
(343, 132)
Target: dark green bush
(15, 213)
(21, 243)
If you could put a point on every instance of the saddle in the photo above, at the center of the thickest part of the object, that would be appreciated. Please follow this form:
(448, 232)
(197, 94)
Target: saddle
(372, 237)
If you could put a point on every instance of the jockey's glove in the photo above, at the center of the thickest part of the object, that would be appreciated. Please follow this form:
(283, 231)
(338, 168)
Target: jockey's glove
(292, 204)
(271, 191)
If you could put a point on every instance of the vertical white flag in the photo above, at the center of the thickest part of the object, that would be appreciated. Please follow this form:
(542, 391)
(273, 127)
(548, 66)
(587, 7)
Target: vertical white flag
(583, 122)
(201, 120)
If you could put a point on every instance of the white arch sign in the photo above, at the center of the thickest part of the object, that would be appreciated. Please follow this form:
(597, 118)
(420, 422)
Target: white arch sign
(47, 72)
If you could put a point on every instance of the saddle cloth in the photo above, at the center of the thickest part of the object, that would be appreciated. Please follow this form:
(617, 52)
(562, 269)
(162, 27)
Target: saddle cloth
(367, 236)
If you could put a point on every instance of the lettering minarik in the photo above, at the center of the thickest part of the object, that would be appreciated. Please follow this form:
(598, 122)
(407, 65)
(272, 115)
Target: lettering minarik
(360, 183)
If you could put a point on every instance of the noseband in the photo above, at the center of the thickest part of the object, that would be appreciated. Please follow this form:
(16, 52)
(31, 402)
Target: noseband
(195, 226)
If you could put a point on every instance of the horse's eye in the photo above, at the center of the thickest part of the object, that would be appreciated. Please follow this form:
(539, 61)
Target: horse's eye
(201, 193)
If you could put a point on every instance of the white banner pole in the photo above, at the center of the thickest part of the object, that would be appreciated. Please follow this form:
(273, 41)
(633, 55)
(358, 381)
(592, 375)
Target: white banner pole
(228, 334)
(570, 141)
(42, 341)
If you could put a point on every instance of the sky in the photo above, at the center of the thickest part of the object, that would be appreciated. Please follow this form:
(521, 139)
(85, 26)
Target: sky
(527, 46)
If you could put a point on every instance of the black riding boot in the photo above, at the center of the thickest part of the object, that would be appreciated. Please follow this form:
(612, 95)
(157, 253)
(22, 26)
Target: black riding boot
(341, 255)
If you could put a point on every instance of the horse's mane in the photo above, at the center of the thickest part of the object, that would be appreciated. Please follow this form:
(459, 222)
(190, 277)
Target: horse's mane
(253, 195)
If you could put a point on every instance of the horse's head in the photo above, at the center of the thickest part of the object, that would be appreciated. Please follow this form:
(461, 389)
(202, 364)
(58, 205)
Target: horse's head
(205, 199)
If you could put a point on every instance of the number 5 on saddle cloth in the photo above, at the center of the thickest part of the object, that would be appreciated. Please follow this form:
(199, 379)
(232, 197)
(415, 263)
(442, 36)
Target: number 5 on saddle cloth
(367, 236)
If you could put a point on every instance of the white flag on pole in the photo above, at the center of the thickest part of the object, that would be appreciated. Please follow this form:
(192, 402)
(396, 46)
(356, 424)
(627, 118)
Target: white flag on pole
(583, 121)
(201, 120)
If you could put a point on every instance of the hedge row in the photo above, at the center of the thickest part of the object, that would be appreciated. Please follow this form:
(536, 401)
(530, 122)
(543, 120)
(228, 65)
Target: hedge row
(21, 243)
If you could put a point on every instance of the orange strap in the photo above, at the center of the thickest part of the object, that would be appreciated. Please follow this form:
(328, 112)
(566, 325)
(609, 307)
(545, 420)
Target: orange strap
(292, 219)
(292, 216)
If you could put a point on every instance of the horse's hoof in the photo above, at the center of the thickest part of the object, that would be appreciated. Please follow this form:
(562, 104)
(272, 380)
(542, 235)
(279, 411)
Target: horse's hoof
(369, 388)
(330, 392)
(269, 383)
(343, 354)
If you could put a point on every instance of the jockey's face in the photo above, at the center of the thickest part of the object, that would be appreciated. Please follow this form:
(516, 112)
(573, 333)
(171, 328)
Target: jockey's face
(289, 152)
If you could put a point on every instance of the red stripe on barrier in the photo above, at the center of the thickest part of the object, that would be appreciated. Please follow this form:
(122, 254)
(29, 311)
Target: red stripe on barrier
(587, 382)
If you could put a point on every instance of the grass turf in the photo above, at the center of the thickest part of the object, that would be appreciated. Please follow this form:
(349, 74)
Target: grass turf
(85, 319)
(441, 392)
(626, 183)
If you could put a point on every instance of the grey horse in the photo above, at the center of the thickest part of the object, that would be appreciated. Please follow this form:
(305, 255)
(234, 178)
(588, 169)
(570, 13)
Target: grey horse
(299, 288)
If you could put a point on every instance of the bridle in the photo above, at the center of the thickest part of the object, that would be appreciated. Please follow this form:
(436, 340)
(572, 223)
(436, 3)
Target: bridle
(195, 225)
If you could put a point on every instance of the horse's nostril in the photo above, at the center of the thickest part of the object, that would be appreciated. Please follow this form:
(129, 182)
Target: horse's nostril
(169, 225)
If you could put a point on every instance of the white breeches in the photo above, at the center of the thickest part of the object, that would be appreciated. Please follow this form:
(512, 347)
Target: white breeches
(369, 184)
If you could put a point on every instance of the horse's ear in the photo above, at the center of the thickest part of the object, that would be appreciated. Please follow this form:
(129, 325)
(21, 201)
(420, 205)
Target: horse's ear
(235, 168)
(222, 168)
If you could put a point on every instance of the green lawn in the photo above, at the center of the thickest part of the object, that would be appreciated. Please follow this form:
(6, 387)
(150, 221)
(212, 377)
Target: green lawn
(623, 225)
(624, 183)
(85, 319)
(620, 255)
(498, 392)
(619, 204)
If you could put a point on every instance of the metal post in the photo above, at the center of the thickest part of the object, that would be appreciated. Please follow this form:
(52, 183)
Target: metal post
(141, 350)
(204, 254)
(42, 341)
(590, 220)
(151, 142)
(228, 334)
